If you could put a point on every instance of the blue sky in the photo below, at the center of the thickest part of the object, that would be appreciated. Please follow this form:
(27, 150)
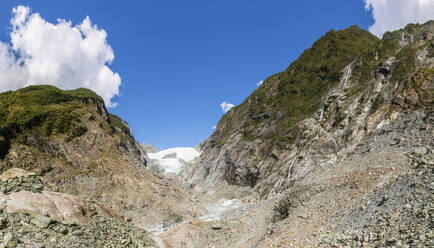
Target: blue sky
(179, 60)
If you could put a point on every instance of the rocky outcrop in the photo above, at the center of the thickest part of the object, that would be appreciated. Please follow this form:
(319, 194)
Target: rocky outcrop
(317, 111)
(149, 148)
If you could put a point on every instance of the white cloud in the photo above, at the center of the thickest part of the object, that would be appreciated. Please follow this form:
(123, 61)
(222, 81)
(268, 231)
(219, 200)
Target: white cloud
(390, 15)
(59, 54)
(214, 127)
(226, 106)
(259, 83)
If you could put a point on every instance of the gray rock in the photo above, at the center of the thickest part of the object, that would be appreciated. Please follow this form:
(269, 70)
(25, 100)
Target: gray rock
(170, 155)
(10, 240)
(41, 221)
(420, 151)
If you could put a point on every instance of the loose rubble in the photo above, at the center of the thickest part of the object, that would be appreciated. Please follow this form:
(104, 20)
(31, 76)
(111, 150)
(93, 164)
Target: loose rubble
(20, 230)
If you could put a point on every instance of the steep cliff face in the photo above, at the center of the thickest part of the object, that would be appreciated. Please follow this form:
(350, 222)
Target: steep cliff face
(70, 139)
(316, 111)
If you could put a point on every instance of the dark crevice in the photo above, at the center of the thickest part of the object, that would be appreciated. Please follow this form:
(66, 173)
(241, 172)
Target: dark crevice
(5, 145)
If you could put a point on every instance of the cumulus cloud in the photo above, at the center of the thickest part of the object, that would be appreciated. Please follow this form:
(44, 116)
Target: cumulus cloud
(390, 15)
(226, 106)
(59, 54)
(259, 83)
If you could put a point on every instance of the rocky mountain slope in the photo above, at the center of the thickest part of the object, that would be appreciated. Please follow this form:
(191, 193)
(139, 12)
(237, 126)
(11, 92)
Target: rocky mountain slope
(70, 139)
(379, 195)
(336, 151)
(316, 111)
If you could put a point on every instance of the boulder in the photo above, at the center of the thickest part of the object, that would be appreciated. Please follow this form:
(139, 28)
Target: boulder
(10, 240)
(420, 151)
(59, 206)
(41, 221)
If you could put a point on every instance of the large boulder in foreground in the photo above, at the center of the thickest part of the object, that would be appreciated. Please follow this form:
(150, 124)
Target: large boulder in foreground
(59, 206)
(32, 214)
(23, 192)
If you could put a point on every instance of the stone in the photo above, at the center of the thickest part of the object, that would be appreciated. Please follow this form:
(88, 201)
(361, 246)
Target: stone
(3, 223)
(41, 221)
(53, 240)
(170, 155)
(37, 246)
(63, 230)
(424, 126)
(217, 226)
(59, 206)
(10, 240)
(420, 151)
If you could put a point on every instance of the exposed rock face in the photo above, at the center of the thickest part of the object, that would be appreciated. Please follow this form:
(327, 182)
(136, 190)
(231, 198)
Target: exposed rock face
(149, 148)
(380, 195)
(314, 113)
(74, 143)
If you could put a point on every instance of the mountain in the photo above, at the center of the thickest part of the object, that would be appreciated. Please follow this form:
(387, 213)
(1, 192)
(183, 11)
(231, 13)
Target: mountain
(335, 151)
(149, 148)
(72, 141)
(316, 111)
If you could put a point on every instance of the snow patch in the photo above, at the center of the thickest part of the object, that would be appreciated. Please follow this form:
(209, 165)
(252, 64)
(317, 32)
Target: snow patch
(215, 212)
(172, 159)
(226, 203)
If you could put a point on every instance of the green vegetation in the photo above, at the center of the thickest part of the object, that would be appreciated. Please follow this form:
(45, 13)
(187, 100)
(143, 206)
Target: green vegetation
(84, 94)
(292, 95)
(288, 97)
(76, 132)
(406, 65)
(119, 123)
(419, 86)
(44, 109)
